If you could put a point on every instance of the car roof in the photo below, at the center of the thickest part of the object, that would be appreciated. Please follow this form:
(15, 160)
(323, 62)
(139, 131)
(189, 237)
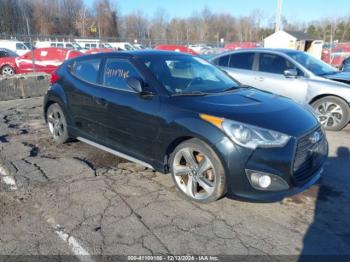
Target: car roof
(260, 49)
(139, 53)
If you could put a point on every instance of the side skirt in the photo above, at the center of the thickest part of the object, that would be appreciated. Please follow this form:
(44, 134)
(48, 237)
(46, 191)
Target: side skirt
(114, 152)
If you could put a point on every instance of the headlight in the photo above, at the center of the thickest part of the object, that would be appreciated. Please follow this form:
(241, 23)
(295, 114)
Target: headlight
(247, 135)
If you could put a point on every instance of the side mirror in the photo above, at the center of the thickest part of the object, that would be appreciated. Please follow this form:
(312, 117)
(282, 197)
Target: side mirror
(290, 73)
(135, 84)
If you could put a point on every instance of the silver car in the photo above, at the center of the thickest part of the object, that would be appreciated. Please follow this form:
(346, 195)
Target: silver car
(296, 75)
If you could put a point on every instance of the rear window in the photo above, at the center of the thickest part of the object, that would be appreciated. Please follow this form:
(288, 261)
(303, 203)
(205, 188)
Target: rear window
(87, 70)
(242, 61)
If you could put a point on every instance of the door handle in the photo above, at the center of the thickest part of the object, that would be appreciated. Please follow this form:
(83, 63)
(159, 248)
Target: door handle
(259, 78)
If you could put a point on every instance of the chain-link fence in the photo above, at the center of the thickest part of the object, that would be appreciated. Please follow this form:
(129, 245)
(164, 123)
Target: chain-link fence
(147, 42)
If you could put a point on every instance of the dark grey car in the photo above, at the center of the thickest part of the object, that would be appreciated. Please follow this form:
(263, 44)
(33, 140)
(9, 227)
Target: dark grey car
(296, 75)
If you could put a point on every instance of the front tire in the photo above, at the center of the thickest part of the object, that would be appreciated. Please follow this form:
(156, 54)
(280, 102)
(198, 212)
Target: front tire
(7, 71)
(197, 171)
(332, 112)
(57, 123)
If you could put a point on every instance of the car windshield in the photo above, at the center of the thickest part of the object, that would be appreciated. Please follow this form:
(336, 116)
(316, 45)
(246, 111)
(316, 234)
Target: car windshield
(311, 63)
(188, 75)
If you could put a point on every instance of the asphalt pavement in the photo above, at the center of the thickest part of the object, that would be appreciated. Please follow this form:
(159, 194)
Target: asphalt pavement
(74, 199)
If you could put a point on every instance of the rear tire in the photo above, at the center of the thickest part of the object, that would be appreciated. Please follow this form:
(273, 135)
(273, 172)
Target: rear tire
(7, 71)
(333, 112)
(197, 171)
(57, 123)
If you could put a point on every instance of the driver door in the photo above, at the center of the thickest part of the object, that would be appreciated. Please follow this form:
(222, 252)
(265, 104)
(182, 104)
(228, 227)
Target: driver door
(270, 77)
(132, 121)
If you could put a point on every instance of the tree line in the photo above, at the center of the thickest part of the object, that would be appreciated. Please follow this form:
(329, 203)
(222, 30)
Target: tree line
(103, 20)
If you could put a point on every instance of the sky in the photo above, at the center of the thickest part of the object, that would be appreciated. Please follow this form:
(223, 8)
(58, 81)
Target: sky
(293, 10)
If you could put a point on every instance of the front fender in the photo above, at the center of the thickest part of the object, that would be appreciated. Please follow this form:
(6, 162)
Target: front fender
(182, 129)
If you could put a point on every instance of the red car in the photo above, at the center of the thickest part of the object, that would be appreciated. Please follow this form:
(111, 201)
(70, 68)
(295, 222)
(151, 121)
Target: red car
(176, 48)
(46, 60)
(336, 56)
(241, 45)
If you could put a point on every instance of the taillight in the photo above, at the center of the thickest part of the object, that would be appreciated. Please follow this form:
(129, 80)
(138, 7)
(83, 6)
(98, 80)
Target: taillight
(54, 78)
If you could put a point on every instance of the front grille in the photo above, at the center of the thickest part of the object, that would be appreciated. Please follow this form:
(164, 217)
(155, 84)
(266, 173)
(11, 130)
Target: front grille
(309, 156)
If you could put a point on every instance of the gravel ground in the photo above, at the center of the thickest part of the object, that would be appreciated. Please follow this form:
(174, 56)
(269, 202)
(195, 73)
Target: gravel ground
(74, 199)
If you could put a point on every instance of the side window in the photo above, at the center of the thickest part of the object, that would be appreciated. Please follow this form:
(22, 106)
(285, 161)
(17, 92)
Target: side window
(93, 45)
(60, 45)
(275, 64)
(117, 71)
(223, 61)
(87, 46)
(242, 61)
(20, 46)
(69, 46)
(3, 54)
(53, 45)
(87, 70)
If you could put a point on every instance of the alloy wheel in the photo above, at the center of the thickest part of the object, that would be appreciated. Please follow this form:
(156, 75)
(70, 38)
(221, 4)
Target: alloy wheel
(330, 114)
(7, 70)
(55, 122)
(194, 173)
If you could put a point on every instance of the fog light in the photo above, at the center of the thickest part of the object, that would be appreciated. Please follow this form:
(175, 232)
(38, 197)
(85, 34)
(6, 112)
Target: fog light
(264, 181)
(260, 180)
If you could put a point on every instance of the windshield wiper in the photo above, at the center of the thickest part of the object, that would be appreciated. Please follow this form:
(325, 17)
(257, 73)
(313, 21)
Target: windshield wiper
(193, 93)
(229, 89)
(234, 88)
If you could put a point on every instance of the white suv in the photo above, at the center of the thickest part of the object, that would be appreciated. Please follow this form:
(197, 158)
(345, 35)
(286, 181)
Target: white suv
(16, 46)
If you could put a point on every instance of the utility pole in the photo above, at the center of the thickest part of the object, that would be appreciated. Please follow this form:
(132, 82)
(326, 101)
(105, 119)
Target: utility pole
(278, 15)
(24, 11)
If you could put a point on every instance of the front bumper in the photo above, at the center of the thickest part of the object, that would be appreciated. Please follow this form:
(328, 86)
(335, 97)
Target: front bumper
(275, 161)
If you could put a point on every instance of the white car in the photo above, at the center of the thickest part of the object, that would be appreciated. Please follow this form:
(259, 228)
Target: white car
(139, 46)
(199, 48)
(125, 46)
(16, 46)
(60, 44)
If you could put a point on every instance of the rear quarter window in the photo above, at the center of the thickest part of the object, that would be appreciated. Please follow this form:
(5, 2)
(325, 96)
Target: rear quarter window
(86, 70)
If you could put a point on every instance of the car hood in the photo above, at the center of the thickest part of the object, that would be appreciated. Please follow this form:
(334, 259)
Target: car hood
(254, 107)
(339, 76)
